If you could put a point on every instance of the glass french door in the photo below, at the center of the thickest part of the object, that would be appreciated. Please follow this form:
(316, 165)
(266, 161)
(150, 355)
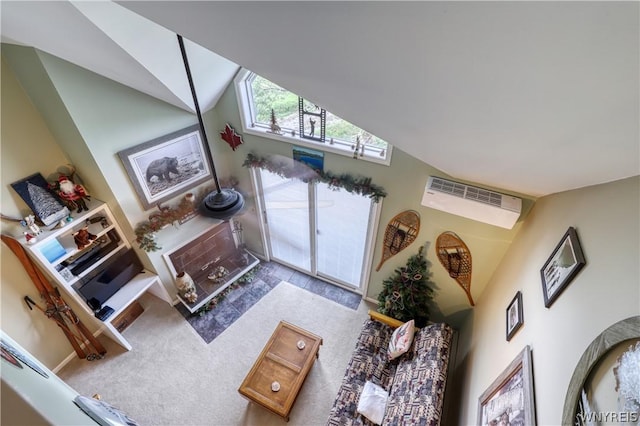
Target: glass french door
(286, 209)
(318, 230)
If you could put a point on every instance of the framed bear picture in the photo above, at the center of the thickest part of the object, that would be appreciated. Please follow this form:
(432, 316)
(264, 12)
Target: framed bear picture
(162, 168)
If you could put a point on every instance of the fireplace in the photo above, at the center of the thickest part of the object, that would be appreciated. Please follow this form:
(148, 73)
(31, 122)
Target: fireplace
(212, 251)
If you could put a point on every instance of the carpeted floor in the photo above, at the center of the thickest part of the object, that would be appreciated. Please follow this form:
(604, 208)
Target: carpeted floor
(211, 324)
(172, 377)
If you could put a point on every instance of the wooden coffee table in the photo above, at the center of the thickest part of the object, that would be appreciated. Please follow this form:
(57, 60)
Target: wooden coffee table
(281, 364)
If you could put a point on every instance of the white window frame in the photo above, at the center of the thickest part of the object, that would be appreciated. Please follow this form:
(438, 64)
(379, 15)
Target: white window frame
(245, 105)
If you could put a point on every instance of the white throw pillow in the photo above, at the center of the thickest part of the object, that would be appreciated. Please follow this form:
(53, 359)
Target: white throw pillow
(401, 339)
(373, 401)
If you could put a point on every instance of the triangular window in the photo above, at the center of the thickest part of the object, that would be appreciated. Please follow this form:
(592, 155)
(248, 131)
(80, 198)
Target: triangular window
(272, 111)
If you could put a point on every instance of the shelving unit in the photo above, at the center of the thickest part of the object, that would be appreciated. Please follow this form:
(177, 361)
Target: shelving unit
(57, 254)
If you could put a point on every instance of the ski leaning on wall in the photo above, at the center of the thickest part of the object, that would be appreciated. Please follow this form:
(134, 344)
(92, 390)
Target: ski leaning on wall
(56, 308)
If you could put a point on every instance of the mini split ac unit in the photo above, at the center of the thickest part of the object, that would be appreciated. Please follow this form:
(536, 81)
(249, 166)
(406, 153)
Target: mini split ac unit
(472, 202)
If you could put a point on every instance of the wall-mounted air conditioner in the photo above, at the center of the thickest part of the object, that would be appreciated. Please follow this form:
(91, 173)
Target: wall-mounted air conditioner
(472, 202)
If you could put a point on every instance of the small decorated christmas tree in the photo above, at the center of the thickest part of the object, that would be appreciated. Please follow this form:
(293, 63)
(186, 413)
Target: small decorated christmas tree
(408, 293)
(275, 128)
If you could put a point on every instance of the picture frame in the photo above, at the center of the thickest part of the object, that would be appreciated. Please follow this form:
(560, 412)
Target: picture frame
(45, 205)
(514, 315)
(164, 167)
(566, 260)
(510, 397)
(309, 157)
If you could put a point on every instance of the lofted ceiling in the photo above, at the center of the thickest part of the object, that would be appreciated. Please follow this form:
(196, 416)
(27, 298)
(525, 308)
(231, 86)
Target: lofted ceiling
(529, 97)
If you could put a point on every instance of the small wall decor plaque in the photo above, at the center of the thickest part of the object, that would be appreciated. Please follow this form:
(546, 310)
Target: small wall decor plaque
(230, 136)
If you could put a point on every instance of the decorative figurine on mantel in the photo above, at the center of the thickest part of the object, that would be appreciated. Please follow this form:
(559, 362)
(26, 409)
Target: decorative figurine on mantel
(218, 274)
(186, 287)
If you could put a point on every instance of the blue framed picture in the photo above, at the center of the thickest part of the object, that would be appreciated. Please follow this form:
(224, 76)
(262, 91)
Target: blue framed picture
(310, 157)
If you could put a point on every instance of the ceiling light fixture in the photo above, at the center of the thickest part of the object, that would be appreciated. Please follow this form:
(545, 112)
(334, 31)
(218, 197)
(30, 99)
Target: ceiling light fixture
(222, 203)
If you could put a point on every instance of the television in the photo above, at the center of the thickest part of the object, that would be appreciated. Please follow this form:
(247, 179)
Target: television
(97, 287)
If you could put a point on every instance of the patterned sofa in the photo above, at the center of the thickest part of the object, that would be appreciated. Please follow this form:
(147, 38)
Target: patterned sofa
(415, 381)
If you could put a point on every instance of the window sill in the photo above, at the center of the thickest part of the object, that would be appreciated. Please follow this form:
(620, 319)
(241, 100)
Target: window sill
(295, 140)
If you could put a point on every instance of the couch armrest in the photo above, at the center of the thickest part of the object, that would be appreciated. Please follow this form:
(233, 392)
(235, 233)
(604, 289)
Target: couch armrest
(391, 322)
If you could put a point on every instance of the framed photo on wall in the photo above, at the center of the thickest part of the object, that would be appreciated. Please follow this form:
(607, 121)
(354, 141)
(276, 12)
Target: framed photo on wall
(509, 399)
(566, 260)
(162, 168)
(515, 318)
(310, 157)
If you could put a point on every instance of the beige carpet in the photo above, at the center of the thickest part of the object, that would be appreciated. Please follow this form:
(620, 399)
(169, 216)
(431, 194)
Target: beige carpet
(171, 377)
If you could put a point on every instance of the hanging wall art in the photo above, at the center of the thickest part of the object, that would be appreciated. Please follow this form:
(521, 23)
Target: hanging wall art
(401, 231)
(455, 256)
(510, 400)
(230, 136)
(162, 168)
(562, 266)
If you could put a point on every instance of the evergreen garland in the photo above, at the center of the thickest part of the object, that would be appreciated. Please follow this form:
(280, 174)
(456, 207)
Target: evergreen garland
(408, 293)
(145, 231)
(351, 184)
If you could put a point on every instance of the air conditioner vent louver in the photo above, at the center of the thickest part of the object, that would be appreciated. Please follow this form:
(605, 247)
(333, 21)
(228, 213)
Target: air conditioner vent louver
(463, 200)
(466, 191)
(452, 188)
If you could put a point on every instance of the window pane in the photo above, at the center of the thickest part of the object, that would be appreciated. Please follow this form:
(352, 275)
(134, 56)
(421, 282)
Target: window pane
(342, 229)
(267, 96)
(287, 206)
(338, 128)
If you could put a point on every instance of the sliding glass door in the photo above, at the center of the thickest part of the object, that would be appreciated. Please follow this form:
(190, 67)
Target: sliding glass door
(286, 210)
(318, 230)
(342, 225)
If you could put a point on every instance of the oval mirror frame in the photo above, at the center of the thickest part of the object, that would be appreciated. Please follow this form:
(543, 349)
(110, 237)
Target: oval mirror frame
(619, 332)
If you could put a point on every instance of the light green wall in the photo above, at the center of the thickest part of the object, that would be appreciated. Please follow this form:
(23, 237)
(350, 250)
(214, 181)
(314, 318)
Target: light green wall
(86, 118)
(605, 291)
(27, 147)
(404, 180)
(92, 118)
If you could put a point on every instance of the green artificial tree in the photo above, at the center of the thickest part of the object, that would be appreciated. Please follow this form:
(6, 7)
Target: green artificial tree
(408, 293)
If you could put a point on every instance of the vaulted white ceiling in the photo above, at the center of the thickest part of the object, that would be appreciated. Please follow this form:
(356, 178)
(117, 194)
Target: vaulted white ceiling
(531, 97)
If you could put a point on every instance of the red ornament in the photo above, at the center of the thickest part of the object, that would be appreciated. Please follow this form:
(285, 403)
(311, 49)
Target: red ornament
(231, 137)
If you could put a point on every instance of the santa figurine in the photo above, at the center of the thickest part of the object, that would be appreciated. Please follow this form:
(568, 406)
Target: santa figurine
(72, 193)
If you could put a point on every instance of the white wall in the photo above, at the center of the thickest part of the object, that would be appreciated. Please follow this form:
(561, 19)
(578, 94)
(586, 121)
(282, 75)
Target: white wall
(604, 292)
